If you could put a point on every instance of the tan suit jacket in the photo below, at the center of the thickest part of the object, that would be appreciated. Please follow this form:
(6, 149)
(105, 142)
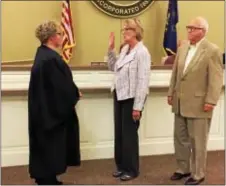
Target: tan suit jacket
(201, 82)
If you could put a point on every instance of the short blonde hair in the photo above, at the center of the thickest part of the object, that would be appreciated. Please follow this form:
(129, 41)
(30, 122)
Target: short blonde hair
(45, 30)
(136, 25)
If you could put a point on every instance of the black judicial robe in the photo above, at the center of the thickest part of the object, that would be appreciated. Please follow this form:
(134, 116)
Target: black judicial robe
(53, 122)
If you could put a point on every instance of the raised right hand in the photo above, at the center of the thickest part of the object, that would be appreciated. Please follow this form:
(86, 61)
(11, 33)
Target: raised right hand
(111, 41)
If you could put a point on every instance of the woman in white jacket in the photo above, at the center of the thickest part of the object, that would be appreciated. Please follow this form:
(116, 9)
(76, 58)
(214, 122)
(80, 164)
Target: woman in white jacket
(131, 82)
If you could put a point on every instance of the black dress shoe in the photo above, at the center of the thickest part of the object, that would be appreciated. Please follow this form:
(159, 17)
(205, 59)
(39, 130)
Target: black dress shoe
(117, 174)
(127, 177)
(179, 176)
(59, 182)
(48, 181)
(192, 181)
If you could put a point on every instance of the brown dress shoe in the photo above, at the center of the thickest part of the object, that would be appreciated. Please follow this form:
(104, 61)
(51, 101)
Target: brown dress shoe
(179, 176)
(192, 181)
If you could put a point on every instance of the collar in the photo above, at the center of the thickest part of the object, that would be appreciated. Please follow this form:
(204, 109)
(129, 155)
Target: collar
(197, 44)
(126, 47)
(140, 43)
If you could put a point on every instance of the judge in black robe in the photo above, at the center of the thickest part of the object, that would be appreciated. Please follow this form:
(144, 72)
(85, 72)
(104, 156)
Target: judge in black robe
(53, 122)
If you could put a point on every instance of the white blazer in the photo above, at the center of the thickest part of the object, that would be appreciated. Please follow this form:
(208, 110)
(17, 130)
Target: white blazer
(132, 72)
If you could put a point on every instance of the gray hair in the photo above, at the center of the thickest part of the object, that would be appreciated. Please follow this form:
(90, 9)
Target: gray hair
(45, 30)
(203, 23)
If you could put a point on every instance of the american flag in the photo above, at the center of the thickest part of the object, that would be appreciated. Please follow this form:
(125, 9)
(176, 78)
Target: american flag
(67, 27)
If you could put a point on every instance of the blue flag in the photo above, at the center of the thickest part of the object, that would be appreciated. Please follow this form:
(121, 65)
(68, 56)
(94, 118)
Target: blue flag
(170, 36)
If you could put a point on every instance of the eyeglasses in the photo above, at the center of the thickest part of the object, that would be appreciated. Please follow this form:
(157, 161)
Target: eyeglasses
(127, 29)
(59, 33)
(193, 28)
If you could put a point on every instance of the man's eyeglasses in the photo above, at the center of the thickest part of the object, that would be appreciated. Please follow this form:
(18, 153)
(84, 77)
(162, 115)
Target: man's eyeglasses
(193, 28)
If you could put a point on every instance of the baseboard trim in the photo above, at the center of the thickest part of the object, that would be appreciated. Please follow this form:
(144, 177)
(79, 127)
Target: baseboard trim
(16, 156)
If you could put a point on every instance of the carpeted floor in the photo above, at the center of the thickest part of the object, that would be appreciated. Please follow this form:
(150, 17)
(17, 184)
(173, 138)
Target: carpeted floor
(154, 170)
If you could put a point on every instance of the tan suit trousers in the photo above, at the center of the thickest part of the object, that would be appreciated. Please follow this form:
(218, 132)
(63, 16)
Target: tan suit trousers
(190, 142)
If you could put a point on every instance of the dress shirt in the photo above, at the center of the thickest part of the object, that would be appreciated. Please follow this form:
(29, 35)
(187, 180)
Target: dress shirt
(191, 52)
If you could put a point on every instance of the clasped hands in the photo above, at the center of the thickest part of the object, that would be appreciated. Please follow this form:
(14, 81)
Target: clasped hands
(207, 107)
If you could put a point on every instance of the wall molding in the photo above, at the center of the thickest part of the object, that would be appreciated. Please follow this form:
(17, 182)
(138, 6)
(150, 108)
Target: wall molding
(19, 80)
(96, 144)
(20, 156)
(97, 66)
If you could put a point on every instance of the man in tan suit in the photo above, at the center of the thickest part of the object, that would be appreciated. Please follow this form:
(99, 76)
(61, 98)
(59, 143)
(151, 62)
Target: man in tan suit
(195, 88)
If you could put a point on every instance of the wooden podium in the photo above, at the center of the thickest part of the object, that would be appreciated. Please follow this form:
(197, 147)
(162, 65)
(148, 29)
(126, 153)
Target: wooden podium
(99, 64)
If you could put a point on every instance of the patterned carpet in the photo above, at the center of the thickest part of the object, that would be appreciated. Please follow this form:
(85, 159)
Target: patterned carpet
(154, 170)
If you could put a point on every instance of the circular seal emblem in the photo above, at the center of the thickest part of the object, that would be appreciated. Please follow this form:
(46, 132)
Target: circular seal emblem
(122, 9)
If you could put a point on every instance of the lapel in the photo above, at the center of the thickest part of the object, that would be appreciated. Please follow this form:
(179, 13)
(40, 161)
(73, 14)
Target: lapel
(182, 58)
(194, 61)
(124, 59)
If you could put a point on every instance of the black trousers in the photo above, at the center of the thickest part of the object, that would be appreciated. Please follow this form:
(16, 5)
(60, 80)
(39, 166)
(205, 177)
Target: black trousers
(126, 137)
